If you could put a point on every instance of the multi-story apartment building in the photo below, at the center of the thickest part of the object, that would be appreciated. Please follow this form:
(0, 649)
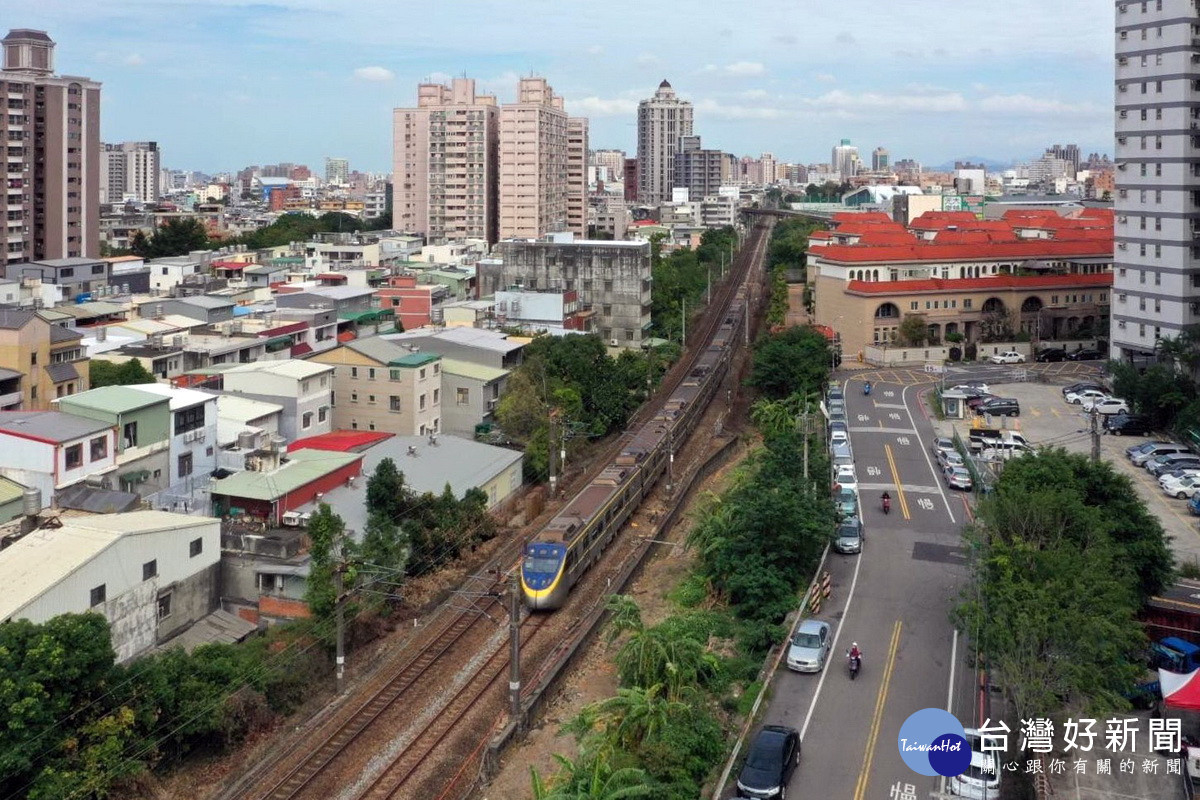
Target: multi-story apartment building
(702, 172)
(533, 162)
(1033, 272)
(381, 386)
(51, 132)
(337, 171)
(881, 160)
(1157, 202)
(130, 170)
(612, 277)
(613, 162)
(577, 182)
(662, 119)
(445, 164)
(303, 389)
(38, 361)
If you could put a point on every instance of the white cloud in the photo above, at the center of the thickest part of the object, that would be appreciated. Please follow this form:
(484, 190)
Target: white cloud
(738, 69)
(603, 107)
(595, 50)
(904, 103)
(374, 74)
(133, 60)
(1034, 106)
(754, 94)
(717, 109)
(646, 59)
(825, 77)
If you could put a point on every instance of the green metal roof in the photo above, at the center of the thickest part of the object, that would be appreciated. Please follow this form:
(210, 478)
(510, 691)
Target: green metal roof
(367, 316)
(303, 467)
(469, 370)
(10, 490)
(114, 399)
(413, 360)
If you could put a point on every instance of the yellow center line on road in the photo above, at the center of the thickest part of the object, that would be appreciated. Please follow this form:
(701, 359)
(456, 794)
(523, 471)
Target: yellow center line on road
(864, 777)
(896, 478)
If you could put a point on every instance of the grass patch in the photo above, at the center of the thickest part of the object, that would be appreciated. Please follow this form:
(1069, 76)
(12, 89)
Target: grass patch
(690, 592)
(745, 703)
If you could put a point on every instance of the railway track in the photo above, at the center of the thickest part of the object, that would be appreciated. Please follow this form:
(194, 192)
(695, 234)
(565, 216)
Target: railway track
(339, 734)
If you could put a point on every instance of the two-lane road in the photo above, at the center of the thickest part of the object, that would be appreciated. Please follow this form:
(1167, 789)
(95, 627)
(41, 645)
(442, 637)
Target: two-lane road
(894, 600)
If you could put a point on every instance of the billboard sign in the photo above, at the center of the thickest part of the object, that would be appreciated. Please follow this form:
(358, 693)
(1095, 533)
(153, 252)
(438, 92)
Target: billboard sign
(964, 202)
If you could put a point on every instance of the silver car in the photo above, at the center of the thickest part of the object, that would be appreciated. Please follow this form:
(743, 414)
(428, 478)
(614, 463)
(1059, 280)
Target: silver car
(809, 649)
(958, 478)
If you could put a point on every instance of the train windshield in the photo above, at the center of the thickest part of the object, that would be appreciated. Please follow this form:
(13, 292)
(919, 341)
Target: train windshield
(541, 560)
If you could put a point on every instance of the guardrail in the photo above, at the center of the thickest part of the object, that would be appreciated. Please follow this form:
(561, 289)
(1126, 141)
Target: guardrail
(773, 658)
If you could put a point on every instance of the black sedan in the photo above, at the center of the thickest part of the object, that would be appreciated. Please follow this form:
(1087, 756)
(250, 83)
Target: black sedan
(1052, 355)
(1127, 425)
(1086, 354)
(770, 762)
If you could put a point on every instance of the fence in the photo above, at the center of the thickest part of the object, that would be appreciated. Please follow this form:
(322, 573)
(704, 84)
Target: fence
(881, 355)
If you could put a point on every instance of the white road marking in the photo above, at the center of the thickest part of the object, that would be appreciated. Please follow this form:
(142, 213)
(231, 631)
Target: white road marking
(906, 487)
(932, 471)
(884, 430)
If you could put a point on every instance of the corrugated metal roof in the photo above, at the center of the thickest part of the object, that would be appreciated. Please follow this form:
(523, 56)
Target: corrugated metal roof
(219, 626)
(49, 426)
(180, 397)
(114, 399)
(82, 497)
(10, 490)
(288, 368)
(243, 409)
(414, 360)
(304, 467)
(469, 370)
(340, 441)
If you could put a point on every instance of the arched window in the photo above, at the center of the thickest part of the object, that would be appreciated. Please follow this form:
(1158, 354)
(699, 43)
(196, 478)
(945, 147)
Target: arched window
(887, 311)
(993, 305)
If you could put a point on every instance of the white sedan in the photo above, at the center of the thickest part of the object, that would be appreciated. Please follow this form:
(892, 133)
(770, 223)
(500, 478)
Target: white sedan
(1106, 406)
(1182, 488)
(846, 478)
(1008, 357)
(1078, 398)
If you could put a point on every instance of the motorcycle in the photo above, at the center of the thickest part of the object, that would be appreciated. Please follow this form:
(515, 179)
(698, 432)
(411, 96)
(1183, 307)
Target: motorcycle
(855, 664)
(867, 387)
(887, 505)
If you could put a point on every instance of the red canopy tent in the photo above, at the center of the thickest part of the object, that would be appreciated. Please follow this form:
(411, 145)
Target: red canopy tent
(1180, 690)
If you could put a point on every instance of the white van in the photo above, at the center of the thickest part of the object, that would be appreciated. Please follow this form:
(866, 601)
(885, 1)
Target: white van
(981, 781)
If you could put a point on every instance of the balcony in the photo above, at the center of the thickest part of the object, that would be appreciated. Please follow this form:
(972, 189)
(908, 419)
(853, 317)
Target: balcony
(11, 401)
(134, 453)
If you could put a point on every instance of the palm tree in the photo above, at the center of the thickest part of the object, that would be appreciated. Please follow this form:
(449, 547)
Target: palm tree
(624, 615)
(636, 714)
(593, 778)
(651, 657)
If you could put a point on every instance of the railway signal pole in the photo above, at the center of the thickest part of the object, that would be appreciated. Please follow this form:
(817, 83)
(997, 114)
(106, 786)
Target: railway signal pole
(551, 453)
(514, 641)
(339, 605)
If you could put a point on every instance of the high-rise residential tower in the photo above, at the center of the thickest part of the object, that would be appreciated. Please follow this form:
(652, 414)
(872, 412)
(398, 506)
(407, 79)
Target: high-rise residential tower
(130, 169)
(662, 119)
(1156, 264)
(533, 162)
(52, 142)
(577, 182)
(845, 159)
(337, 171)
(445, 158)
(702, 172)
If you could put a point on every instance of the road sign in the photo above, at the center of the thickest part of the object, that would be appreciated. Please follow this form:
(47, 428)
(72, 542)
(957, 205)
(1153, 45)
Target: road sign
(934, 369)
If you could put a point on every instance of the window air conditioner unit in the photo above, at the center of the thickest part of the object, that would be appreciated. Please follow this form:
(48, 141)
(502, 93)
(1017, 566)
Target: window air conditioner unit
(614, 343)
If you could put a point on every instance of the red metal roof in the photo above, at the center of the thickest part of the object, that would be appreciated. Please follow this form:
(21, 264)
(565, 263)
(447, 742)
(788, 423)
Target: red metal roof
(994, 283)
(933, 251)
(346, 336)
(301, 349)
(279, 330)
(331, 276)
(233, 266)
(340, 441)
(861, 216)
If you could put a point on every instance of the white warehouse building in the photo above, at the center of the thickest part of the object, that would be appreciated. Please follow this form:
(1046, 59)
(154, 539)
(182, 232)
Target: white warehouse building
(152, 574)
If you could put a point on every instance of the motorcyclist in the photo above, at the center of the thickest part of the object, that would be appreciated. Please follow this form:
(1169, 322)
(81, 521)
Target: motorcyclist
(855, 654)
(867, 387)
(887, 502)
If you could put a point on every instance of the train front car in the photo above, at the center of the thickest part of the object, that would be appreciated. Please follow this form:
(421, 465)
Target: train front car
(543, 575)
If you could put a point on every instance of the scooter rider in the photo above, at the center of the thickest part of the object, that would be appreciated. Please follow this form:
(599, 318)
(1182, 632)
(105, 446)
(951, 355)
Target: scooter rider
(887, 502)
(855, 653)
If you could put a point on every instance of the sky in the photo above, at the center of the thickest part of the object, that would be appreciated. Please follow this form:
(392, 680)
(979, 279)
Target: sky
(222, 84)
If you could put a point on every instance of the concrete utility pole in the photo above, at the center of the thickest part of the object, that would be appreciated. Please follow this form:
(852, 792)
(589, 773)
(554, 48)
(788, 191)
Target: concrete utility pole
(806, 440)
(683, 321)
(339, 604)
(1095, 430)
(514, 643)
(552, 451)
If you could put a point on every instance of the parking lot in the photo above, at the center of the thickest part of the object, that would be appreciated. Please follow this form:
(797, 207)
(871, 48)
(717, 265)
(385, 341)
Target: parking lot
(1047, 419)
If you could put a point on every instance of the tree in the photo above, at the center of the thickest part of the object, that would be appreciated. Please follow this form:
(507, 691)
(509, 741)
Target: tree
(383, 553)
(913, 330)
(325, 532)
(176, 237)
(634, 715)
(1159, 391)
(794, 360)
(128, 373)
(386, 491)
(592, 778)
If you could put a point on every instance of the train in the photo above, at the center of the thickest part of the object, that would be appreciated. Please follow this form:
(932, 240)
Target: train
(558, 555)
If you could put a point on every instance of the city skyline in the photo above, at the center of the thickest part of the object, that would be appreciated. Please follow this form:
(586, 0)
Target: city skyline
(207, 80)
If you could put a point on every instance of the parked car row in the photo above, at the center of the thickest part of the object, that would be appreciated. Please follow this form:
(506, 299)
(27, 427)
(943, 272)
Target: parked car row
(1094, 398)
(1175, 465)
(848, 535)
(951, 463)
(1056, 354)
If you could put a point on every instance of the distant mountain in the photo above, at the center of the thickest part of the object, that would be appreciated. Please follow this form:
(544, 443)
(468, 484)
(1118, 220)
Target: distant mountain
(990, 164)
